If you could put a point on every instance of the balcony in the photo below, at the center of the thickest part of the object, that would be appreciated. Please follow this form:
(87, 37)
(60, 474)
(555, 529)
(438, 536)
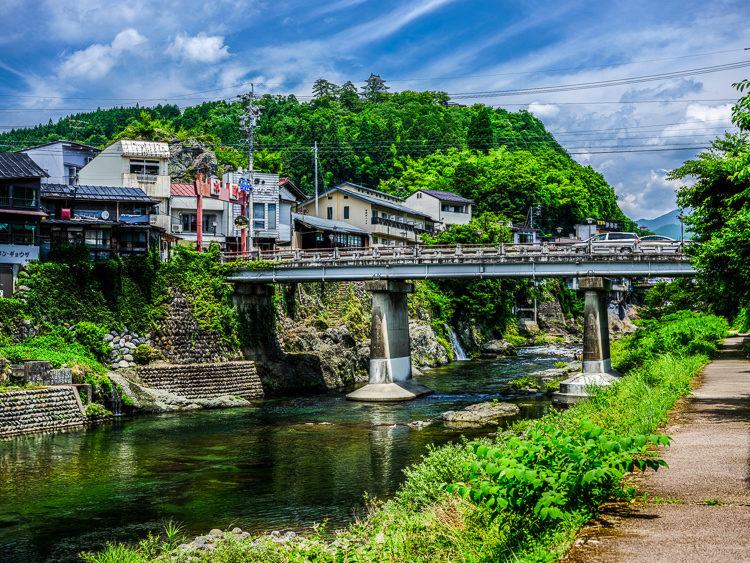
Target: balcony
(18, 202)
(147, 178)
(387, 226)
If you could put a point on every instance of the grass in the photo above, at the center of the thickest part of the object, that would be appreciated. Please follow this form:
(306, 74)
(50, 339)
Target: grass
(424, 523)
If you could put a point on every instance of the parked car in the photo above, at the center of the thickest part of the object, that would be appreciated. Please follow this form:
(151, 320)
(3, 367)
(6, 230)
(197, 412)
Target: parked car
(659, 243)
(609, 242)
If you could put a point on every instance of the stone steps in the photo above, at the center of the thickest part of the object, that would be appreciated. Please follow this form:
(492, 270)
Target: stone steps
(204, 381)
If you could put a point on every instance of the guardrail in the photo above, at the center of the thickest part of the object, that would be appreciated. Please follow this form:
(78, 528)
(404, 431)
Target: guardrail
(292, 258)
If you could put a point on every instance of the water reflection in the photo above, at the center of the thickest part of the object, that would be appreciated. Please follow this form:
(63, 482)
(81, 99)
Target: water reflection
(282, 464)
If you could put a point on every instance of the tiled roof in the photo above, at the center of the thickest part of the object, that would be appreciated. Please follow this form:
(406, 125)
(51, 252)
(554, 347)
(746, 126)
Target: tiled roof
(373, 200)
(327, 224)
(19, 165)
(182, 189)
(371, 190)
(446, 196)
(95, 193)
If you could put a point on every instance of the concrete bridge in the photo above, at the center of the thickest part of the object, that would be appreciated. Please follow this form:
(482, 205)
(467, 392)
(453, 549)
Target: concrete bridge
(386, 271)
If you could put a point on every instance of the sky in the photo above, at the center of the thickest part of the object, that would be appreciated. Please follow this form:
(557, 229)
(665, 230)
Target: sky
(58, 57)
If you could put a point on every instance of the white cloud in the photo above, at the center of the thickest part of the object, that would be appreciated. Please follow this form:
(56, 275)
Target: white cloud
(544, 111)
(200, 49)
(95, 61)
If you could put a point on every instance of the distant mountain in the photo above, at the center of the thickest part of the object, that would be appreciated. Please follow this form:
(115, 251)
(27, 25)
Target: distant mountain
(667, 225)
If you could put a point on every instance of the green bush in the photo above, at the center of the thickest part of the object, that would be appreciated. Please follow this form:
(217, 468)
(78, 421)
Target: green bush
(550, 473)
(91, 335)
(57, 346)
(526, 382)
(95, 409)
(143, 354)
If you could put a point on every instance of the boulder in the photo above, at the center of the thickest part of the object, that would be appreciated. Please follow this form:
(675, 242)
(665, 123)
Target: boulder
(500, 347)
(425, 348)
(482, 413)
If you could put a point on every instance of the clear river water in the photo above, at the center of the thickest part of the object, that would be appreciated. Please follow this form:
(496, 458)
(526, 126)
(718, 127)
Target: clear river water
(281, 465)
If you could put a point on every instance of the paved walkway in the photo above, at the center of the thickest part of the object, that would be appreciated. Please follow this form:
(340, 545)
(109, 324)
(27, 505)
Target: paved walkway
(699, 508)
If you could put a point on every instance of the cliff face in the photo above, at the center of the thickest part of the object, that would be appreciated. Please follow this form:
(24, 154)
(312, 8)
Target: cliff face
(323, 339)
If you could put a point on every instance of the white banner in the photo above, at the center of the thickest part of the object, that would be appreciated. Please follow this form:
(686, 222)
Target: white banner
(18, 254)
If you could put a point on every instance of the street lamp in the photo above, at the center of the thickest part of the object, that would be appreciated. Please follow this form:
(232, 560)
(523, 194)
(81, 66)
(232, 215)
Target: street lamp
(682, 231)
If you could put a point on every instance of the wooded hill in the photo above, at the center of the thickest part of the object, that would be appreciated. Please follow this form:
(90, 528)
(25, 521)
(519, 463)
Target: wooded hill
(399, 142)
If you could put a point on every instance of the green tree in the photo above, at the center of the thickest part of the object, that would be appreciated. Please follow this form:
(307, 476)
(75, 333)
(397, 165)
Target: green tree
(720, 200)
(480, 136)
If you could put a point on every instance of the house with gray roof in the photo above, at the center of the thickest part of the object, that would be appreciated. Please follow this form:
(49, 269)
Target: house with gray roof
(385, 216)
(446, 208)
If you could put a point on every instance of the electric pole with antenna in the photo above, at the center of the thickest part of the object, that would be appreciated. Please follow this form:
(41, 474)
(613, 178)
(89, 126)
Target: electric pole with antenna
(248, 121)
(316, 177)
(76, 125)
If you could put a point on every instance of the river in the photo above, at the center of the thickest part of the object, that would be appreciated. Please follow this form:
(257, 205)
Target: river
(282, 465)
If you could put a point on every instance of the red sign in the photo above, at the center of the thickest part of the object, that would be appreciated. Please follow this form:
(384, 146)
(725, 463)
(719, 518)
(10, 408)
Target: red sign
(215, 186)
(233, 191)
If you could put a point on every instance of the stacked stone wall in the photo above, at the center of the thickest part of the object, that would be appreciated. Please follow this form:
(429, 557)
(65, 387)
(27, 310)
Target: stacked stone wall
(38, 410)
(181, 340)
(204, 381)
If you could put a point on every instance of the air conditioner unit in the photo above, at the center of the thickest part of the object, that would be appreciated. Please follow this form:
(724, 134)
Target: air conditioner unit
(176, 228)
(152, 220)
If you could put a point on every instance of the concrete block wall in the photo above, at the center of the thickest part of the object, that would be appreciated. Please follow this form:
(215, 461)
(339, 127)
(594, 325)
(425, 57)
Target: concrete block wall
(38, 410)
(204, 381)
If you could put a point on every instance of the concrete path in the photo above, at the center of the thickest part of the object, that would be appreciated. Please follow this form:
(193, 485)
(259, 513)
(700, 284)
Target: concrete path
(699, 508)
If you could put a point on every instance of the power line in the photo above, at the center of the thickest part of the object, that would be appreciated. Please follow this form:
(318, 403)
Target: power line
(601, 84)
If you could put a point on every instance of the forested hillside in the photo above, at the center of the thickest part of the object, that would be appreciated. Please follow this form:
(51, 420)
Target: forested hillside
(397, 142)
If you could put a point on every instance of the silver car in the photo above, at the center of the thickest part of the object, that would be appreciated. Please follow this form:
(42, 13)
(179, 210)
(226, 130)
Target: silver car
(659, 243)
(609, 242)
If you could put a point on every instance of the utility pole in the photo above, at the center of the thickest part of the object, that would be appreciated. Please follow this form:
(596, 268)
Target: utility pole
(248, 120)
(316, 178)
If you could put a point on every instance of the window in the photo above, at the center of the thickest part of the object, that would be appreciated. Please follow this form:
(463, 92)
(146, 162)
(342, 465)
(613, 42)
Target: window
(97, 239)
(374, 214)
(145, 167)
(330, 213)
(346, 212)
(259, 216)
(374, 240)
(346, 197)
(419, 195)
(4, 233)
(189, 223)
(208, 223)
(72, 173)
(271, 216)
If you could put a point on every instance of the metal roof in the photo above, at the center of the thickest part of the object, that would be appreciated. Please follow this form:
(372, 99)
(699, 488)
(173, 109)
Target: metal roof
(373, 200)
(182, 190)
(327, 224)
(19, 165)
(64, 142)
(144, 148)
(371, 190)
(95, 193)
(446, 196)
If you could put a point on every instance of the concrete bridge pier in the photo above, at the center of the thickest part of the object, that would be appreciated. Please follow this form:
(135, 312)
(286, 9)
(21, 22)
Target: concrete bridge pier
(597, 366)
(390, 350)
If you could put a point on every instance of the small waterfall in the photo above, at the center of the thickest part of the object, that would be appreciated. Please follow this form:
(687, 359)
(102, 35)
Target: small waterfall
(458, 352)
(116, 400)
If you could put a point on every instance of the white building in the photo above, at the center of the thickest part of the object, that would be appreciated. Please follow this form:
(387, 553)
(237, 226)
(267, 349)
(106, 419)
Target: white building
(134, 164)
(62, 160)
(445, 208)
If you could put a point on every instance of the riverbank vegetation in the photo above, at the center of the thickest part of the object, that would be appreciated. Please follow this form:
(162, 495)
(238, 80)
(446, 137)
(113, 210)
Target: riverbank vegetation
(521, 496)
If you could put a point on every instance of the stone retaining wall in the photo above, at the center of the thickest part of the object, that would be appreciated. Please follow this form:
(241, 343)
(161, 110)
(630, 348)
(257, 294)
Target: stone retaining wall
(204, 381)
(37, 410)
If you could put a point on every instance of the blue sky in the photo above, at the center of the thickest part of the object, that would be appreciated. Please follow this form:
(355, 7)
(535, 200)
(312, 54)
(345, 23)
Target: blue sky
(60, 56)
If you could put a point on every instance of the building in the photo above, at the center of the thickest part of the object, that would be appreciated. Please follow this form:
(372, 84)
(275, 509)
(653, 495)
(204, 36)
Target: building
(62, 160)
(316, 232)
(216, 219)
(271, 200)
(384, 216)
(374, 86)
(111, 221)
(20, 214)
(134, 164)
(446, 208)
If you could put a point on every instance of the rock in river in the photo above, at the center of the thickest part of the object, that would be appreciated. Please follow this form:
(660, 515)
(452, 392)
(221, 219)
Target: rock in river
(484, 413)
(499, 347)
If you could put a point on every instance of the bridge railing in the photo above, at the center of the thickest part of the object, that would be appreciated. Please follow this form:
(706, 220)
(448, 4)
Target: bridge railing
(459, 252)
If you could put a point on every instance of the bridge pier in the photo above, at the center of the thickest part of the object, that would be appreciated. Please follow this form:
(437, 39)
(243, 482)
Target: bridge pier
(390, 349)
(597, 365)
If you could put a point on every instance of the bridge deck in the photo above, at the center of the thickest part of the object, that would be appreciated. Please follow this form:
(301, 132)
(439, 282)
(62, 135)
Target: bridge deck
(467, 262)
